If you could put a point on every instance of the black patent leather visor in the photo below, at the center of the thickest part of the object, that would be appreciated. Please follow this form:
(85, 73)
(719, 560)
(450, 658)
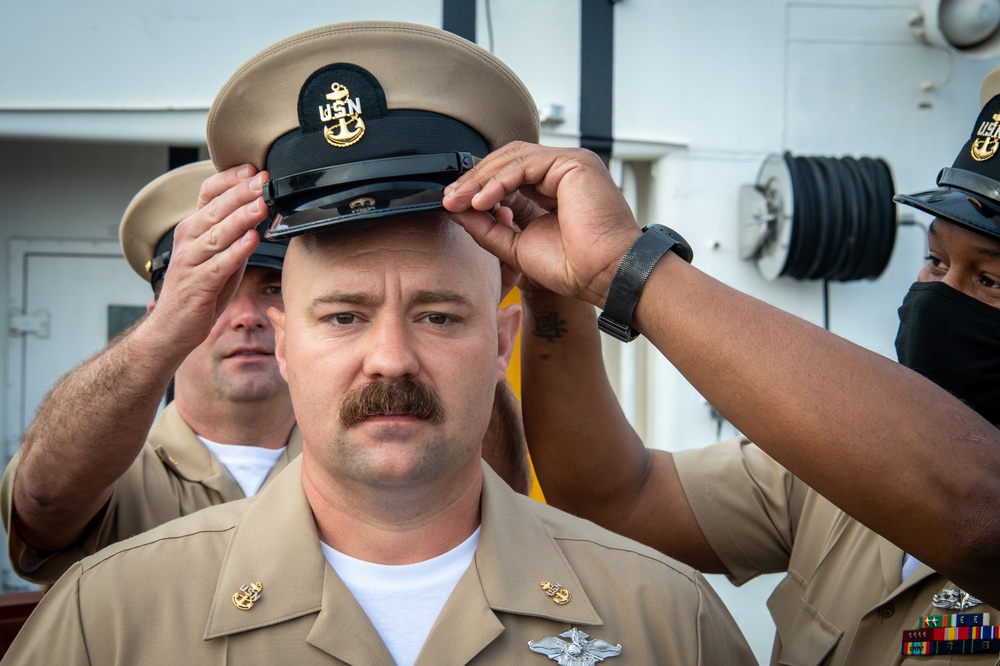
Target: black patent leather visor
(956, 206)
(347, 193)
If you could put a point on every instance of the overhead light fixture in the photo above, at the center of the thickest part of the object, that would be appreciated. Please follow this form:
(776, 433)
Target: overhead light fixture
(970, 28)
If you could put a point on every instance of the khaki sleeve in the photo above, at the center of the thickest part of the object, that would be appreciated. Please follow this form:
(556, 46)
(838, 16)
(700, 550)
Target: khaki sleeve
(54, 632)
(746, 504)
(41, 567)
(15, 545)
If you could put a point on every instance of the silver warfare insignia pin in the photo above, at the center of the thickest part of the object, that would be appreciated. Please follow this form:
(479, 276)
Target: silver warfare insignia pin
(959, 600)
(578, 651)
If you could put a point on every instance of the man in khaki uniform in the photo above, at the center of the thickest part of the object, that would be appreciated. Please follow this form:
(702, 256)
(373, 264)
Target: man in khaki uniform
(182, 467)
(391, 541)
(882, 452)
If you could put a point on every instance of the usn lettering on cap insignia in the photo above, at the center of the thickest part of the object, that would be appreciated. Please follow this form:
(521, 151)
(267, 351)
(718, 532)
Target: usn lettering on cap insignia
(578, 651)
(559, 594)
(987, 141)
(247, 595)
(345, 113)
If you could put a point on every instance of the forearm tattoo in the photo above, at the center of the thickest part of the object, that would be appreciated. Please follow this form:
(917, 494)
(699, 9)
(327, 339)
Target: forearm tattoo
(549, 326)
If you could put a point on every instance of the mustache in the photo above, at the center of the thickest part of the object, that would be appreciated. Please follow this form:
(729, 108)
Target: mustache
(405, 397)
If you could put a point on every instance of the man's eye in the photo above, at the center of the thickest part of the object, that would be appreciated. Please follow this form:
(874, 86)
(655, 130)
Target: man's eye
(274, 290)
(344, 319)
(437, 319)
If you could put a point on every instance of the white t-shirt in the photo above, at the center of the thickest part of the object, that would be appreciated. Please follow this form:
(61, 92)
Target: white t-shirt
(249, 465)
(404, 601)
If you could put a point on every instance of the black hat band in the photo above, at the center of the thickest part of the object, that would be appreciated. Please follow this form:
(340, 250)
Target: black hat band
(361, 191)
(973, 183)
(405, 132)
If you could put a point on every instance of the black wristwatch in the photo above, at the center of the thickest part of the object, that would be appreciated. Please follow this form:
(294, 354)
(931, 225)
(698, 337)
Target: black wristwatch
(631, 275)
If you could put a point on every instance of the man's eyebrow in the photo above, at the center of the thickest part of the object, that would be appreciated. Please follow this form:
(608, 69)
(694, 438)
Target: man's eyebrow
(441, 296)
(423, 296)
(342, 298)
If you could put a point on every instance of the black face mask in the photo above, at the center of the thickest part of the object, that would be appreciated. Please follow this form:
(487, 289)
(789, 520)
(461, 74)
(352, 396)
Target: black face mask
(953, 340)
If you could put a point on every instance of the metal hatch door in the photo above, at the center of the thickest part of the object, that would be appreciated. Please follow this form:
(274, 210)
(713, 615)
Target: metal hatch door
(65, 299)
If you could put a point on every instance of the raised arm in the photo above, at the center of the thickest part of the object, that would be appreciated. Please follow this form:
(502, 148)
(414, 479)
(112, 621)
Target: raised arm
(93, 423)
(838, 416)
(588, 459)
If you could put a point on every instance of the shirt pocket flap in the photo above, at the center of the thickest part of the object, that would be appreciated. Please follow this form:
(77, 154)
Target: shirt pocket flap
(806, 637)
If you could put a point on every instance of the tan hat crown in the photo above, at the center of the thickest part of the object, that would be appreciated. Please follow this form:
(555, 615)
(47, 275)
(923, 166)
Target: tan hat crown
(419, 68)
(366, 120)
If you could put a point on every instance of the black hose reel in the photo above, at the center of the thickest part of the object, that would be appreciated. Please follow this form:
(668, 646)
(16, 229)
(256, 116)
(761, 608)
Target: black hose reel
(819, 218)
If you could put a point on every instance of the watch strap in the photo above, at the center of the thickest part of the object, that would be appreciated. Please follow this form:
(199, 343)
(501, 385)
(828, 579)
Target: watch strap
(631, 275)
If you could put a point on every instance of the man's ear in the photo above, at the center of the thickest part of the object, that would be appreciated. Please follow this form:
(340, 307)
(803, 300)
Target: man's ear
(508, 324)
(150, 306)
(277, 318)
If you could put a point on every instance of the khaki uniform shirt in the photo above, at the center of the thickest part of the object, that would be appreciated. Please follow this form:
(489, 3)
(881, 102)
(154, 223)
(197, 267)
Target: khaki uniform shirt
(843, 600)
(174, 475)
(167, 596)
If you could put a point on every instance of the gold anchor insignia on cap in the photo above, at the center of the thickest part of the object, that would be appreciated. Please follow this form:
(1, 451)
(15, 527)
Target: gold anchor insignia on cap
(987, 141)
(559, 594)
(247, 595)
(579, 650)
(345, 112)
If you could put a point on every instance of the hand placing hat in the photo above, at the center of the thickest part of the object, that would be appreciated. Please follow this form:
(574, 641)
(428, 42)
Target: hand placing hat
(579, 236)
(210, 251)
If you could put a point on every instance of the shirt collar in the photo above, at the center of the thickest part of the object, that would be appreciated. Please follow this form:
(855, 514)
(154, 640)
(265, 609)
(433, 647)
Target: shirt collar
(178, 446)
(276, 543)
(517, 553)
